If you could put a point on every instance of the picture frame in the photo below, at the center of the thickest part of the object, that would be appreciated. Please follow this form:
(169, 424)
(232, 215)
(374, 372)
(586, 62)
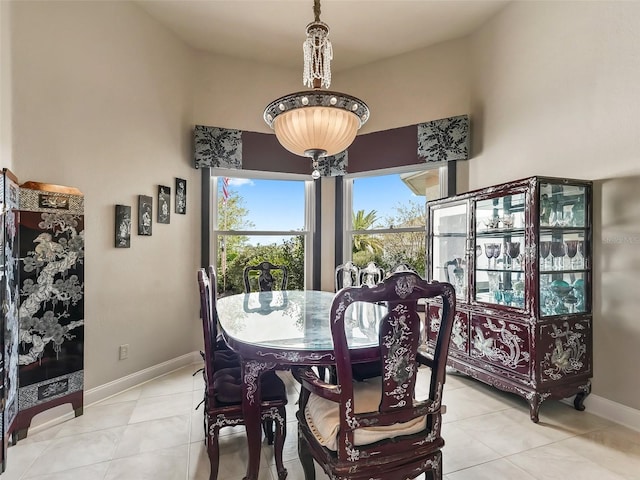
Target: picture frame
(145, 215)
(123, 226)
(164, 204)
(181, 196)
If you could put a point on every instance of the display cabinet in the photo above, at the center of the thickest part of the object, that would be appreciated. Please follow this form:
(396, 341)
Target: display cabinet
(519, 257)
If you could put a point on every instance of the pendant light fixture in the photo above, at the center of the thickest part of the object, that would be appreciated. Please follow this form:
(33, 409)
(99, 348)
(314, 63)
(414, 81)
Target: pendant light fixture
(317, 122)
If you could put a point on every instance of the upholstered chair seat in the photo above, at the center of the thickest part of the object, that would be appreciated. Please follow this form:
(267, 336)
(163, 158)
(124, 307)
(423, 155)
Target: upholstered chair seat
(227, 386)
(323, 417)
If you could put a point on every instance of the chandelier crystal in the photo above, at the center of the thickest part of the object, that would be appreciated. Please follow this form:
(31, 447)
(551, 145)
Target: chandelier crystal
(316, 123)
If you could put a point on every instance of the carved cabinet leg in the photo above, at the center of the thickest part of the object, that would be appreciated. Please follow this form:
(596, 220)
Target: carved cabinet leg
(578, 401)
(534, 408)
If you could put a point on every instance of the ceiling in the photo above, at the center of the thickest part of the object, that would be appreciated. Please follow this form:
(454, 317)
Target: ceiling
(362, 31)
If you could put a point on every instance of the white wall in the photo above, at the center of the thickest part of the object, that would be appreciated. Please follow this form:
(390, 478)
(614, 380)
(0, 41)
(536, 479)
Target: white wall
(6, 160)
(102, 102)
(412, 88)
(556, 89)
(416, 87)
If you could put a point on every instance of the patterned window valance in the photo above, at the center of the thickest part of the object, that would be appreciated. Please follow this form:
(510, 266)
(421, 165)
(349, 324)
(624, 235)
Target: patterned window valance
(335, 165)
(436, 141)
(444, 140)
(217, 147)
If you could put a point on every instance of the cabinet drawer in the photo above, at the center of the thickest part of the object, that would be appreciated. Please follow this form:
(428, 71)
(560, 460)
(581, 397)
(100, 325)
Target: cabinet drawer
(501, 342)
(565, 349)
(459, 343)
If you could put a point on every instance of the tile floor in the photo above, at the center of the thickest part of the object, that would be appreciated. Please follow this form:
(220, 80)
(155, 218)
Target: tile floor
(154, 432)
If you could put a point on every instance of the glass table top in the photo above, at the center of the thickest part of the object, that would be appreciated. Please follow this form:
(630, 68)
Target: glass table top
(295, 320)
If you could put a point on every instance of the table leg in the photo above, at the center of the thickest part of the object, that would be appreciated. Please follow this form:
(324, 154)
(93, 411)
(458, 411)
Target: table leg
(251, 403)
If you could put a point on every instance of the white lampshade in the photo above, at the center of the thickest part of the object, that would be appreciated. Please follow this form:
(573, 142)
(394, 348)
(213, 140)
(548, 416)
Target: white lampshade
(316, 120)
(316, 128)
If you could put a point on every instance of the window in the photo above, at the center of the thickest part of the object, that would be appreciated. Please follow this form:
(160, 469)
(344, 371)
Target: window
(385, 216)
(261, 219)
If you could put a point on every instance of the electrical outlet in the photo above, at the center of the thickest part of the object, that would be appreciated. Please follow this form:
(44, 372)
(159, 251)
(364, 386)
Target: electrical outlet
(124, 351)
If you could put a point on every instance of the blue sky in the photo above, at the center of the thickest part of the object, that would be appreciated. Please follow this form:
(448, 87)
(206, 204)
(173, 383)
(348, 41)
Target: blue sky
(279, 205)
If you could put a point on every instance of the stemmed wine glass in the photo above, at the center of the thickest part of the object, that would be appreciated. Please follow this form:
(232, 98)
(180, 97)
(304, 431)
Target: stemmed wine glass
(558, 251)
(545, 250)
(488, 251)
(496, 253)
(572, 251)
(580, 261)
(512, 249)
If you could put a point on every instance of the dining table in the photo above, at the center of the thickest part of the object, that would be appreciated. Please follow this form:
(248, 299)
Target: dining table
(280, 329)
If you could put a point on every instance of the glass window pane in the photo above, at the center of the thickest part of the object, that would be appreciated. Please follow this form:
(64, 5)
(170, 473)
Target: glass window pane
(263, 205)
(235, 252)
(388, 250)
(397, 200)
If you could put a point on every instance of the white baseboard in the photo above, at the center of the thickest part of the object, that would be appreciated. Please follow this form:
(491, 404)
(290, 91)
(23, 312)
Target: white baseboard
(616, 412)
(608, 409)
(62, 413)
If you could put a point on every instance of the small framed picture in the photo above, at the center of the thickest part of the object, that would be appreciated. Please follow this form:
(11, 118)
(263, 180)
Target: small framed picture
(181, 196)
(123, 226)
(145, 211)
(164, 204)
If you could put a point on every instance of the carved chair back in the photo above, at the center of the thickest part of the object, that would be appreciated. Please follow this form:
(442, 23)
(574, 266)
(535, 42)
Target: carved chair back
(371, 274)
(402, 267)
(347, 275)
(260, 278)
(408, 454)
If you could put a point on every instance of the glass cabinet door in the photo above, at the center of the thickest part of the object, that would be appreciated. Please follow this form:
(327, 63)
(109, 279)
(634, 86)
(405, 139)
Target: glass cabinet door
(564, 268)
(449, 230)
(499, 250)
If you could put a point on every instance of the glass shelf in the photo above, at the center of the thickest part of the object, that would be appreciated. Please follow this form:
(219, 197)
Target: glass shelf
(500, 232)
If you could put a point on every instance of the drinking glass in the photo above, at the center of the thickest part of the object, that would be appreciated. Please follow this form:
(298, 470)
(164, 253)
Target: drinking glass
(492, 222)
(507, 220)
(560, 290)
(572, 251)
(507, 296)
(558, 251)
(488, 251)
(512, 249)
(581, 260)
(545, 250)
(494, 286)
(497, 248)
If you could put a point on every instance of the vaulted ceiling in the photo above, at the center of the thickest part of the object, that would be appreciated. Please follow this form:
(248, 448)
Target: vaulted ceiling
(362, 31)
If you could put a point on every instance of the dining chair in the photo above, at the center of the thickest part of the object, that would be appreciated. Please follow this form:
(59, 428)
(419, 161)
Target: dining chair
(371, 274)
(402, 267)
(379, 428)
(223, 392)
(346, 275)
(260, 277)
(221, 347)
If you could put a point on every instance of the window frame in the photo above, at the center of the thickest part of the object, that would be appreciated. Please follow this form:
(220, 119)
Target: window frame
(309, 214)
(347, 192)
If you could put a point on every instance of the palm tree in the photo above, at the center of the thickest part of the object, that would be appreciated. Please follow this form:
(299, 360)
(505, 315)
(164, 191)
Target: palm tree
(362, 242)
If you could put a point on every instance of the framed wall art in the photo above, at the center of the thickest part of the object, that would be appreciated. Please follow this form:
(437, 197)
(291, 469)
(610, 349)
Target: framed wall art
(181, 196)
(123, 226)
(145, 211)
(164, 204)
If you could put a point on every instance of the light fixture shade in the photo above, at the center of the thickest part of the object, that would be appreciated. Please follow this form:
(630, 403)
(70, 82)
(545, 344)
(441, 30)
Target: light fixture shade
(316, 121)
(316, 128)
